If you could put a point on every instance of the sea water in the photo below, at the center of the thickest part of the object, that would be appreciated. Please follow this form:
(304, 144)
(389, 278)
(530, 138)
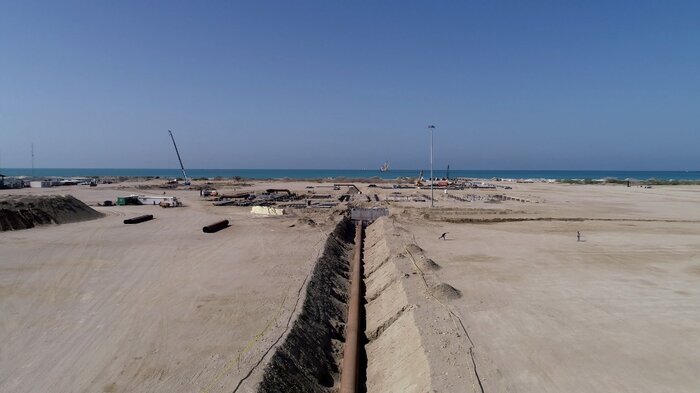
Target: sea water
(350, 173)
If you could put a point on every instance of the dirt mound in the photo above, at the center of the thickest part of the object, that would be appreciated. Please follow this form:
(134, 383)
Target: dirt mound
(307, 221)
(414, 249)
(24, 211)
(445, 292)
(309, 358)
(427, 264)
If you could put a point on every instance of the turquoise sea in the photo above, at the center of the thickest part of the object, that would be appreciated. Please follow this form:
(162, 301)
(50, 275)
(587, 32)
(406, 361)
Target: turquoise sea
(351, 173)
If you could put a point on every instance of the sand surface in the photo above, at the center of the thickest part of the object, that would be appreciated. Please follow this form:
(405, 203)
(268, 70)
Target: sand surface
(99, 306)
(618, 311)
(159, 306)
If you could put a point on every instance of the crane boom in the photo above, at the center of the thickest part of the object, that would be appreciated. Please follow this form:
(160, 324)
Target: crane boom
(184, 174)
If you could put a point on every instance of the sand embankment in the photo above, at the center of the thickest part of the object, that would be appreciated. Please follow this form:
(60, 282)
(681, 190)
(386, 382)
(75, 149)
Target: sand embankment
(28, 211)
(415, 342)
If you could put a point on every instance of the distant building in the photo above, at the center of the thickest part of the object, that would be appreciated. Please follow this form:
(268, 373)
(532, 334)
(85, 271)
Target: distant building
(10, 182)
(40, 184)
(156, 200)
(148, 200)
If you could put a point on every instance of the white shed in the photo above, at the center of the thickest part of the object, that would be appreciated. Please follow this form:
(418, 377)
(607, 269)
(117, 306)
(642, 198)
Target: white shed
(40, 184)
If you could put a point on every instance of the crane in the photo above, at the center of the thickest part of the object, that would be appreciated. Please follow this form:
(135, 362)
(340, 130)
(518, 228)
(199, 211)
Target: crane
(184, 174)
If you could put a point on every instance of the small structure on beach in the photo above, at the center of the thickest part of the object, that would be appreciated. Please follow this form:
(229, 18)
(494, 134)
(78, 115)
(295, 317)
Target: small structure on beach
(157, 200)
(368, 215)
(128, 200)
(40, 184)
(166, 201)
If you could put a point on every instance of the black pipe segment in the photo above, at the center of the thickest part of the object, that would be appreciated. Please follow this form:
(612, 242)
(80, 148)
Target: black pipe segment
(215, 227)
(139, 219)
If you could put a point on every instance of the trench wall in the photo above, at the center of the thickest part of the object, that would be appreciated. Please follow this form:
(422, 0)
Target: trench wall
(309, 358)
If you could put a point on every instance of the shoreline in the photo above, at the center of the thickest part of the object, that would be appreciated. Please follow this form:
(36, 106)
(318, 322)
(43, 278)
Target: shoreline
(399, 175)
(402, 181)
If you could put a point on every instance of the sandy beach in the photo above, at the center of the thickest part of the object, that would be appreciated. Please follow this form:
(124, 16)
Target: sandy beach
(511, 301)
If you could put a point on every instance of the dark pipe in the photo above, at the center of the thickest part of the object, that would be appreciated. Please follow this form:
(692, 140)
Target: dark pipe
(215, 227)
(349, 373)
(139, 219)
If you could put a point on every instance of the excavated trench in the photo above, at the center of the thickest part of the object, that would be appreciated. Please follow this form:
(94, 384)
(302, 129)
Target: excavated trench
(408, 340)
(310, 358)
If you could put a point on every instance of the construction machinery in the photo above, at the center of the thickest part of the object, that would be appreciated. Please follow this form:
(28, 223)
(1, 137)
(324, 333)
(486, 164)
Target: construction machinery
(184, 174)
(420, 180)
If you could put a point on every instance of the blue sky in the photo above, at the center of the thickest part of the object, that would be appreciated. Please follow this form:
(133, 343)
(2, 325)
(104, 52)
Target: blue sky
(330, 84)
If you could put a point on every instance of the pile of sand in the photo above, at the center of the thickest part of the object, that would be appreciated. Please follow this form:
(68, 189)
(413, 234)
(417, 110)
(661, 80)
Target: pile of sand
(25, 211)
(427, 264)
(414, 248)
(444, 292)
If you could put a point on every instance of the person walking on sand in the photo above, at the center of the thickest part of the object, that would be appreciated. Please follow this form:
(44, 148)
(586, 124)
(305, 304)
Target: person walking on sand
(578, 236)
(443, 236)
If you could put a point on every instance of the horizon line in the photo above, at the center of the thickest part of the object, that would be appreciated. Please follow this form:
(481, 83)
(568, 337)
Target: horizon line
(359, 169)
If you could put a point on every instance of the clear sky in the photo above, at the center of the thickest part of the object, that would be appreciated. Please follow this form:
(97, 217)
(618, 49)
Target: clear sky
(348, 85)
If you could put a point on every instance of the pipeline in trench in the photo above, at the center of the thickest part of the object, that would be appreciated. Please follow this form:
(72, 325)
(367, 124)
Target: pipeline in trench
(395, 321)
(312, 355)
(352, 377)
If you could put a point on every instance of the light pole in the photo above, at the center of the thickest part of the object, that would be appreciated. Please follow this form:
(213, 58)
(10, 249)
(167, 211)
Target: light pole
(432, 180)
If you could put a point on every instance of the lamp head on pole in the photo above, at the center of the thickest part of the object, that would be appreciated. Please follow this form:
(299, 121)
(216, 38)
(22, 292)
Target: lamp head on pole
(431, 126)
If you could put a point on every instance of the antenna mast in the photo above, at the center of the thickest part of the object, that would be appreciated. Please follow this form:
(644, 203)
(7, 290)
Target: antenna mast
(184, 174)
(32, 159)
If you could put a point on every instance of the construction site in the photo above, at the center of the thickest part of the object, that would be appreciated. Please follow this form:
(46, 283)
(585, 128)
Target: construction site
(349, 197)
(336, 287)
